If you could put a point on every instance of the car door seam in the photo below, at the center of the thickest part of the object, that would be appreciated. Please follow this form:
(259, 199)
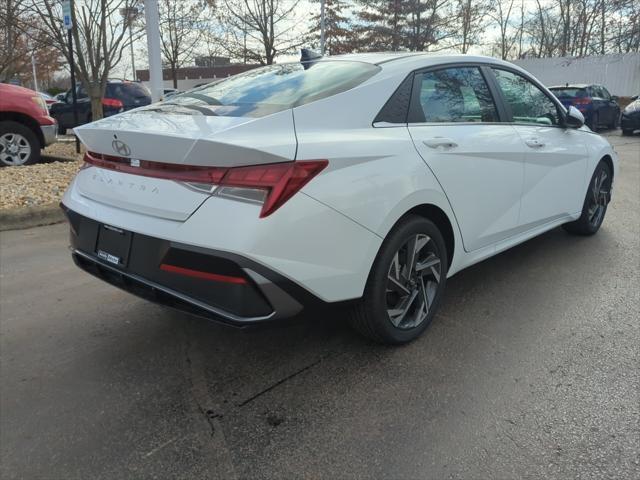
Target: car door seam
(440, 185)
(343, 214)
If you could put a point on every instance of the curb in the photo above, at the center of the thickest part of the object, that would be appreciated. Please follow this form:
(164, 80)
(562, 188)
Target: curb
(27, 217)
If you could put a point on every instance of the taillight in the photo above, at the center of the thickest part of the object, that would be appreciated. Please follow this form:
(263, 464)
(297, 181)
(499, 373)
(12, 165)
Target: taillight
(270, 185)
(582, 103)
(112, 102)
(277, 182)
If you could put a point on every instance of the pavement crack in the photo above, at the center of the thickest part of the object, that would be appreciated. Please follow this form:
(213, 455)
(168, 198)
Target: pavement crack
(281, 381)
(205, 412)
(219, 453)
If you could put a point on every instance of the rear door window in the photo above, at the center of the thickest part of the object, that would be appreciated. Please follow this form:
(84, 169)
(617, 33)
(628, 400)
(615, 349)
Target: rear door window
(452, 95)
(271, 89)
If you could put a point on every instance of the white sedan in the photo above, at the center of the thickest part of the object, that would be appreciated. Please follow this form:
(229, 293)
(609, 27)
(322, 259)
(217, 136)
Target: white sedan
(366, 179)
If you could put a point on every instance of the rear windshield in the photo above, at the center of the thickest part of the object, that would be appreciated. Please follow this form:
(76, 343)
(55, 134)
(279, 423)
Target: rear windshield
(569, 92)
(127, 90)
(270, 89)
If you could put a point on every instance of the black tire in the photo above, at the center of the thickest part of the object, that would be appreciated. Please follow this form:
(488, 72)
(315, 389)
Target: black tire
(26, 136)
(627, 132)
(595, 203)
(62, 129)
(593, 123)
(370, 316)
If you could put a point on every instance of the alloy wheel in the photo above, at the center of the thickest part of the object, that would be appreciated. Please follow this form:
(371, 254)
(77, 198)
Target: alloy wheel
(14, 149)
(600, 190)
(412, 282)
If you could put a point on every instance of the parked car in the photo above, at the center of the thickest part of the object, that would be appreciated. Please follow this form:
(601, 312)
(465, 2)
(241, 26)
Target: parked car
(48, 99)
(598, 106)
(169, 92)
(119, 96)
(25, 125)
(366, 178)
(630, 120)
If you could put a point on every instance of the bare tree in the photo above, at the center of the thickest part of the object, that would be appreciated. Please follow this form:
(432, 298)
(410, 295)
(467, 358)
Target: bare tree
(503, 15)
(624, 27)
(258, 30)
(181, 29)
(471, 22)
(432, 24)
(100, 39)
(13, 23)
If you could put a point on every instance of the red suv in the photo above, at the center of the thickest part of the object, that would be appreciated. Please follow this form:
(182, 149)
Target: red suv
(25, 125)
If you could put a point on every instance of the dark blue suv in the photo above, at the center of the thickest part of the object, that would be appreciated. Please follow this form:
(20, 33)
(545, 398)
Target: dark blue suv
(595, 102)
(119, 96)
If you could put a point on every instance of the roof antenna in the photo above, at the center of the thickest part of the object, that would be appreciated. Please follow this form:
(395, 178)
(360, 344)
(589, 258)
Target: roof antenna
(308, 57)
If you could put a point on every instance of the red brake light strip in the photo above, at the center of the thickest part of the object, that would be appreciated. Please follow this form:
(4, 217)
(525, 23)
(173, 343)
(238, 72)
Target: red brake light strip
(188, 272)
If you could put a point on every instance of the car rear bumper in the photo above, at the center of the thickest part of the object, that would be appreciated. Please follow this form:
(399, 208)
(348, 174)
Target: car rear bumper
(49, 133)
(630, 122)
(226, 287)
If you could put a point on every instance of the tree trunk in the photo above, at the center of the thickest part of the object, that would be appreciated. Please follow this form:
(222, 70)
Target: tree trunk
(174, 75)
(95, 93)
(96, 108)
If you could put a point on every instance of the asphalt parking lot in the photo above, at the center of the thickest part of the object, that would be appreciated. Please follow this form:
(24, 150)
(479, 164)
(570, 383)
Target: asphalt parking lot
(530, 370)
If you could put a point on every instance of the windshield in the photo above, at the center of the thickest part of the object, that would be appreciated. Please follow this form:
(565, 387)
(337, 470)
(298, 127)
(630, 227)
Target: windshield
(569, 92)
(270, 89)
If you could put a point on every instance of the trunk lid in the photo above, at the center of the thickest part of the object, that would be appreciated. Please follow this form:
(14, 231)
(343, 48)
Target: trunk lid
(181, 138)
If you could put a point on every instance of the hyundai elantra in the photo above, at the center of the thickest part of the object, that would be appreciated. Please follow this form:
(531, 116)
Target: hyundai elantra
(365, 180)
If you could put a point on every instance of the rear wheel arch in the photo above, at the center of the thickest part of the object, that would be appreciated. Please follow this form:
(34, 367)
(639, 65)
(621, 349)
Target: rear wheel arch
(25, 120)
(609, 161)
(436, 215)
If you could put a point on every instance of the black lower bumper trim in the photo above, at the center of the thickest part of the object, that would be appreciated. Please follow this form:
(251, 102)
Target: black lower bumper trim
(264, 295)
(157, 293)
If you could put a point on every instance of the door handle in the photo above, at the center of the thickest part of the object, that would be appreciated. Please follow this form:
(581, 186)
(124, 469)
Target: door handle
(437, 142)
(534, 143)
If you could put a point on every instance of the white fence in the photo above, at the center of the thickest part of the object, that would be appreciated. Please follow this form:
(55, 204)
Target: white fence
(619, 73)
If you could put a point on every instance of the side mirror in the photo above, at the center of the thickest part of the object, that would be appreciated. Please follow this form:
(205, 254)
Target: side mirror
(615, 98)
(574, 118)
(61, 97)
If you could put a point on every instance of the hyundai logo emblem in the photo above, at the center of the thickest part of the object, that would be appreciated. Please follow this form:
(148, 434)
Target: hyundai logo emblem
(120, 147)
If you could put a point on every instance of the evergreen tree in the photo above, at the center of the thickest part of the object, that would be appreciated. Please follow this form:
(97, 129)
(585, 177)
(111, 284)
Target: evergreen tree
(382, 25)
(338, 29)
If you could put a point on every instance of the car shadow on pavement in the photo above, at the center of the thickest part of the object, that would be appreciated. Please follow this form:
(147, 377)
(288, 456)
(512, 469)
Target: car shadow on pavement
(242, 365)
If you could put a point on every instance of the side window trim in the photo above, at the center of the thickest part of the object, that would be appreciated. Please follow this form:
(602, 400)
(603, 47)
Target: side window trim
(415, 109)
(381, 120)
(504, 110)
(559, 107)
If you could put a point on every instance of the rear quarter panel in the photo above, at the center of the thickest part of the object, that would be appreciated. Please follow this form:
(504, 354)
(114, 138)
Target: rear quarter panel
(375, 174)
(598, 147)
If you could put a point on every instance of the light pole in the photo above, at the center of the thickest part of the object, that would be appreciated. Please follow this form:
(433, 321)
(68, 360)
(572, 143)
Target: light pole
(153, 46)
(130, 14)
(33, 68)
(322, 27)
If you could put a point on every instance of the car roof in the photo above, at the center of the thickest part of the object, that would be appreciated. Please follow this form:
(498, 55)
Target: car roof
(415, 60)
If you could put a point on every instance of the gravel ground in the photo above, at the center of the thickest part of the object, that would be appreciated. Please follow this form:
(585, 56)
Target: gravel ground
(43, 183)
